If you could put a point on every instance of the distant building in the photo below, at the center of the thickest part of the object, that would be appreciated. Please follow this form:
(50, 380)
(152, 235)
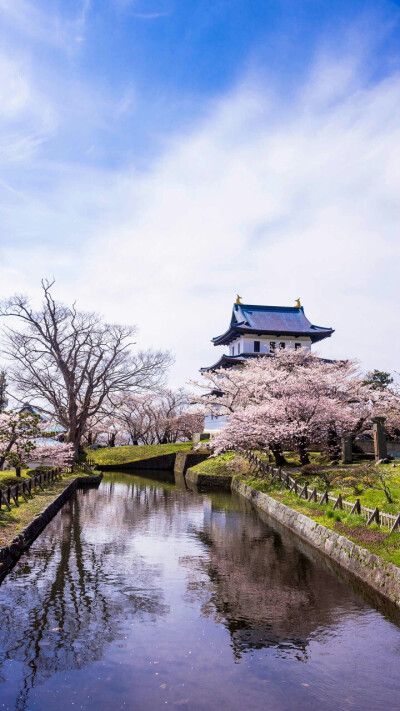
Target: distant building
(50, 428)
(256, 331)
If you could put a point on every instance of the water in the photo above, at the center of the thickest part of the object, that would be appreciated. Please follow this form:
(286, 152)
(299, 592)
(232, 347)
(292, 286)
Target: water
(143, 596)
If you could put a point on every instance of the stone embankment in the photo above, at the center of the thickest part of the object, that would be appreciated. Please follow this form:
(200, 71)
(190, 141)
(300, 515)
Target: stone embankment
(10, 554)
(208, 481)
(382, 576)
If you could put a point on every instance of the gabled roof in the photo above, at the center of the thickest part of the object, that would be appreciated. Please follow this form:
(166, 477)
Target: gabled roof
(270, 320)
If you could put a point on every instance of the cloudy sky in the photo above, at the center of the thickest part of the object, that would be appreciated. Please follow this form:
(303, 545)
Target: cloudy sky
(159, 156)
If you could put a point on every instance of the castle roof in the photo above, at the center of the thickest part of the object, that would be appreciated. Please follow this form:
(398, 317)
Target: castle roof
(270, 321)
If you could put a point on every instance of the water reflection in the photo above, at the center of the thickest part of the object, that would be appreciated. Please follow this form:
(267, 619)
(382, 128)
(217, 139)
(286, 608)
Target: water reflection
(69, 595)
(143, 593)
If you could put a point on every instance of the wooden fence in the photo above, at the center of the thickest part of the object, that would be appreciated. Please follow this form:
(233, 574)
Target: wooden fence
(27, 487)
(311, 494)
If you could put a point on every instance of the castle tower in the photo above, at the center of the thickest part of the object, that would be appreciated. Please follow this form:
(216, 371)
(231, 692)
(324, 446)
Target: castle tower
(257, 330)
(260, 331)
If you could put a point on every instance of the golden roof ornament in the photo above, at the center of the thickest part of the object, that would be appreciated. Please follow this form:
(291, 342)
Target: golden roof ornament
(297, 304)
(238, 299)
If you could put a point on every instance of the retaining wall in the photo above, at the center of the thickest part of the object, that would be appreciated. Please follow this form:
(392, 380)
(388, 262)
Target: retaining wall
(10, 554)
(185, 460)
(207, 481)
(163, 461)
(381, 576)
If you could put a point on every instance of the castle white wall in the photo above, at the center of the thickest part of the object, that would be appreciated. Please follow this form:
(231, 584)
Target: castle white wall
(247, 344)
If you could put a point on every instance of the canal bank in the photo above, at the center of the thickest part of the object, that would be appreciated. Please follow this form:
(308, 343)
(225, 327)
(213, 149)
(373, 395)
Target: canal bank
(381, 575)
(142, 593)
(53, 500)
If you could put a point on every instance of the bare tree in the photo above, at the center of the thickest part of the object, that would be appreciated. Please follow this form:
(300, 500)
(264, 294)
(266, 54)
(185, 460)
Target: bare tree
(71, 362)
(3, 390)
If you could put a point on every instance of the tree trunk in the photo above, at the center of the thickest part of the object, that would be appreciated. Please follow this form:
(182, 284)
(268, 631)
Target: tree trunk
(6, 450)
(17, 470)
(276, 450)
(111, 439)
(302, 451)
(334, 448)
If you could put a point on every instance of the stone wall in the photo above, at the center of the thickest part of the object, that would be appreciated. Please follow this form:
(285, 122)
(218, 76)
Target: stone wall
(381, 576)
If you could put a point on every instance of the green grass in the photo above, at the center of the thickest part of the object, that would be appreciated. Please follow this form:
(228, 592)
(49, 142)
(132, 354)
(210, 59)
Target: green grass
(133, 453)
(8, 478)
(12, 522)
(217, 466)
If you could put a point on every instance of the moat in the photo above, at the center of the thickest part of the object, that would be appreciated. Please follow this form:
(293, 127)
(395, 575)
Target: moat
(142, 595)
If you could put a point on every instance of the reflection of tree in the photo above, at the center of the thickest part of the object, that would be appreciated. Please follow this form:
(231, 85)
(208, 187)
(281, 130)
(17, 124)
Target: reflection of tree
(264, 590)
(70, 596)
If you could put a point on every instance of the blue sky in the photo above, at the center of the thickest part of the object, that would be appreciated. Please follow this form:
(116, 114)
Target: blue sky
(158, 156)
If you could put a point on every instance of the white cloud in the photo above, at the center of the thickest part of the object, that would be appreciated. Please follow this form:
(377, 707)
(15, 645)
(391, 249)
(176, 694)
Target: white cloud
(46, 26)
(274, 200)
(27, 119)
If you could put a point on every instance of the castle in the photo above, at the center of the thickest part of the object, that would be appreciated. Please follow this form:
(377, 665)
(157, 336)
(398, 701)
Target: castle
(255, 331)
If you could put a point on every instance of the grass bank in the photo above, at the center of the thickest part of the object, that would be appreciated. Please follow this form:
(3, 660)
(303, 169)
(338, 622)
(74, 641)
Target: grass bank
(9, 478)
(229, 464)
(133, 453)
(12, 522)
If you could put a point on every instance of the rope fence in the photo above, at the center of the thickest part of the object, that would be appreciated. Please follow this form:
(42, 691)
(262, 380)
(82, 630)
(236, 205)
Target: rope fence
(311, 494)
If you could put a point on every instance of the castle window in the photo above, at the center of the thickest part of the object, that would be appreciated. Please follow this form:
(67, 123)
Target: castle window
(238, 348)
(256, 346)
(282, 345)
(297, 346)
(272, 346)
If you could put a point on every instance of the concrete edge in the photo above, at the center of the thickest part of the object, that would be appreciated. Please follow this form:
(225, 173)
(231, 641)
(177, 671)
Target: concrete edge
(186, 460)
(380, 575)
(10, 554)
(208, 481)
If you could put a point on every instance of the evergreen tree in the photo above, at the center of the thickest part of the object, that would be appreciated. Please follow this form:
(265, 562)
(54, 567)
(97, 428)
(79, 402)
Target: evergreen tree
(378, 379)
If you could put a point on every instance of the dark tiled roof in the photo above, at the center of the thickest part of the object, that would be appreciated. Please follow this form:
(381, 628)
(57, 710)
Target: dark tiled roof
(270, 320)
(227, 361)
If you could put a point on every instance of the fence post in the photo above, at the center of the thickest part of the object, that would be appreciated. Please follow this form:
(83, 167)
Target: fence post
(324, 498)
(338, 503)
(374, 517)
(396, 524)
(356, 508)
(313, 495)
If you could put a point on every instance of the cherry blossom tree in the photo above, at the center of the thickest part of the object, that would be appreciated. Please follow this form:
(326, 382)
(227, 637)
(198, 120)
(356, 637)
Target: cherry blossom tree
(160, 417)
(291, 400)
(23, 439)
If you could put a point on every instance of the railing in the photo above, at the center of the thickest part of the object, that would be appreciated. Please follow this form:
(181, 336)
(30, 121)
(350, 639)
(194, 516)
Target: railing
(27, 487)
(311, 494)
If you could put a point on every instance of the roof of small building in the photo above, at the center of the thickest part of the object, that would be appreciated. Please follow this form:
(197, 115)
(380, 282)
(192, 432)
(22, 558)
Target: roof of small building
(270, 320)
